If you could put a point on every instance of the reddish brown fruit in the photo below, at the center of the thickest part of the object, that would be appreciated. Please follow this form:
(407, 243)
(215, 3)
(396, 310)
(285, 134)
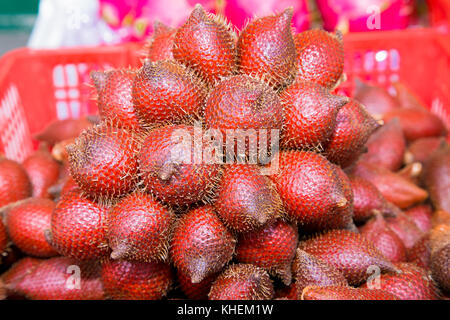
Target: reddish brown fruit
(420, 150)
(242, 282)
(349, 252)
(26, 223)
(440, 217)
(320, 57)
(405, 228)
(59, 151)
(367, 199)
(57, 278)
(311, 191)
(385, 148)
(60, 130)
(3, 238)
(346, 184)
(172, 174)
(440, 255)
(104, 161)
(271, 247)
(421, 215)
(43, 172)
(196, 291)
(353, 128)
(206, 44)
(410, 283)
(384, 239)
(79, 228)
(436, 177)
(393, 187)
(139, 228)
(376, 100)
(311, 271)
(266, 48)
(246, 199)
(14, 182)
(243, 103)
(133, 280)
(114, 100)
(411, 172)
(440, 266)
(179, 98)
(417, 124)
(345, 293)
(406, 98)
(201, 244)
(310, 113)
(161, 43)
(420, 253)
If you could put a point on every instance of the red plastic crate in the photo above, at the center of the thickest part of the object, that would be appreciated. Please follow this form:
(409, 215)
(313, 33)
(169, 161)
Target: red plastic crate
(37, 87)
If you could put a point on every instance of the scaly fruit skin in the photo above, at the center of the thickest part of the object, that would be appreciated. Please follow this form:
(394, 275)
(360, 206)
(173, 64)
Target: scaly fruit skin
(14, 182)
(311, 191)
(272, 248)
(354, 125)
(201, 244)
(241, 102)
(384, 239)
(55, 279)
(139, 228)
(311, 271)
(420, 150)
(367, 199)
(440, 266)
(134, 280)
(420, 253)
(165, 91)
(78, 227)
(26, 224)
(266, 48)
(376, 100)
(395, 189)
(43, 172)
(206, 44)
(349, 252)
(114, 99)
(310, 112)
(167, 175)
(195, 291)
(417, 124)
(436, 178)
(3, 237)
(320, 57)
(246, 199)
(421, 215)
(386, 146)
(161, 43)
(348, 209)
(405, 228)
(345, 293)
(242, 282)
(440, 253)
(411, 283)
(104, 161)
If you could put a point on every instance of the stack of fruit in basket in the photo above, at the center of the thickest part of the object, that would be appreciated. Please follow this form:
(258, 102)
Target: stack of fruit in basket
(348, 208)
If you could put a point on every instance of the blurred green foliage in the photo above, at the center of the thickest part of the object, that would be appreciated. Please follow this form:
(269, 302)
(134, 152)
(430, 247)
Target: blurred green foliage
(18, 15)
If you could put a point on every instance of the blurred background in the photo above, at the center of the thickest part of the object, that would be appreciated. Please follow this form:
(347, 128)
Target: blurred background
(62, 23)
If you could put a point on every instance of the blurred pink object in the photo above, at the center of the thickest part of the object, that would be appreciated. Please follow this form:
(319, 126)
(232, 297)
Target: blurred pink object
(239, 12)
(365, 15)
(133, 19)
